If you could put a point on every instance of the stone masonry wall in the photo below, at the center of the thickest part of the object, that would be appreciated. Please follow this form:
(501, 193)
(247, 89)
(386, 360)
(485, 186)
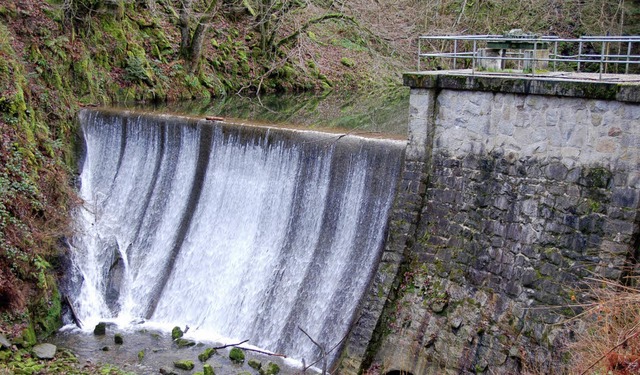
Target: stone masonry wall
(525, 196)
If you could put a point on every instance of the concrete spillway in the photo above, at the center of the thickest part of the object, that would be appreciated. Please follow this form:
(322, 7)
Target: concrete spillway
(238, 232)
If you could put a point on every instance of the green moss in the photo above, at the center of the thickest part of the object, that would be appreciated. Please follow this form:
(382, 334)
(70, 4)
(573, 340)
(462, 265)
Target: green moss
(272, 369)
(208, 353)
(184, 364)
(236, 355)
(347, 62)
(176, 333)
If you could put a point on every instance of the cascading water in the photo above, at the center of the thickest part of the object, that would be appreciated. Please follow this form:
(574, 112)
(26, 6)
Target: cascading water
(238, 232)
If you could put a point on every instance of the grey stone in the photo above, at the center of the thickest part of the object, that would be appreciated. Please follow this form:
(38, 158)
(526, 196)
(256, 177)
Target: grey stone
(456, 322)
(100, 329)
(4, 342)
(45, 351)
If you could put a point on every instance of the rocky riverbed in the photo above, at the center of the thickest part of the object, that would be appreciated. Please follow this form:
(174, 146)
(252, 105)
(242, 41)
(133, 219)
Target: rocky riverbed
(145, 351)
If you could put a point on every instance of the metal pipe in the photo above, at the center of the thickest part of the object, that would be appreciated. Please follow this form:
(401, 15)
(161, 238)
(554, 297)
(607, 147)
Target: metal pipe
(626, 69)
(555, 54)
(601, 59)
(473, 63)
(579, 54)
(455, 53)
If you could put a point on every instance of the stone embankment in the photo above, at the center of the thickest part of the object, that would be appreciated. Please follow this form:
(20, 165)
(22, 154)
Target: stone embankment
(514, 190)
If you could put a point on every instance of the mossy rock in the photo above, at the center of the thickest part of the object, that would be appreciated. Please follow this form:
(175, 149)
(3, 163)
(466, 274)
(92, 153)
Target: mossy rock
(208, 370)
(208, 353)
(236, 355)
(100, 329)
(255, 364)
(184, 343)
(272, 369)
(28, 338)
(118, 339)
(184, 364)
(176, 333)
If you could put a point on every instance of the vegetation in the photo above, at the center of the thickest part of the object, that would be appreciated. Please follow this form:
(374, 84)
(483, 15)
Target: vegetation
(58, 55)
(608, 330)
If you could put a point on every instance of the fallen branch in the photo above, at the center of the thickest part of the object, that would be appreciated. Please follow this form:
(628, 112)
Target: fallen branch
(334, 347)
(322, 350)
(228, 345)
(249, 349)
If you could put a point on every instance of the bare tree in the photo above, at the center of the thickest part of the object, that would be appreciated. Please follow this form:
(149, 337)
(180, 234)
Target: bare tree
(194, 20)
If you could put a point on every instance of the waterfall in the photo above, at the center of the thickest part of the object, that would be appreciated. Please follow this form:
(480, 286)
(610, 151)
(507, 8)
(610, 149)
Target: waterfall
(239, 232)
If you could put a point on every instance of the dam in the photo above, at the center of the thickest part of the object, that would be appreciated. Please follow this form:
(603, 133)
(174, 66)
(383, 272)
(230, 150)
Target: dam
(515, 188)
(459, 250)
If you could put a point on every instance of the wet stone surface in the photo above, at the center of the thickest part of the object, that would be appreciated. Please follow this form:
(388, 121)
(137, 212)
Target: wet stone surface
(148, 351)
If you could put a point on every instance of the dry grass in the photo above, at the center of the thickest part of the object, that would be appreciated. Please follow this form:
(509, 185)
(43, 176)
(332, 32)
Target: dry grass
(608, 331)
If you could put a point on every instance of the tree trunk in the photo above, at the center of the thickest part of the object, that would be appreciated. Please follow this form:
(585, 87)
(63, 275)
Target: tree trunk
(185, 31)
(195, 47)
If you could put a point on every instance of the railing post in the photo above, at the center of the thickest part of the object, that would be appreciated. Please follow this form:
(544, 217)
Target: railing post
(473, 58)
(419, 52)
(455, 52)
(601, 59)
(555, 55)
(579, 55)
(626, 69)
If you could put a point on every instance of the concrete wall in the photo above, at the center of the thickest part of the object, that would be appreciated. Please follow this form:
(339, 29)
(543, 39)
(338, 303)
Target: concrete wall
(514, 190)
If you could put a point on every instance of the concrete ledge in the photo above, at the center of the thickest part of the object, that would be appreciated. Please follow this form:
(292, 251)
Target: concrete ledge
(571, 85)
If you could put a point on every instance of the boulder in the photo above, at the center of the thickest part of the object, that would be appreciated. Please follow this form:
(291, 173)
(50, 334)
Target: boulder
(176, 333)
(208, 352)
(208, 370)
(118, 339)
(184, 343)
(236, 355)
(100, 329)
(257, 365)
(45, 351)
(184, 365)
(272, 369)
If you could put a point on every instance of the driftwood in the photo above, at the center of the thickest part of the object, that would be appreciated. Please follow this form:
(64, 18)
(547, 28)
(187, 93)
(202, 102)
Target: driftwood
(74, 316)
(249, 349)
(214, 118)
(323, 357)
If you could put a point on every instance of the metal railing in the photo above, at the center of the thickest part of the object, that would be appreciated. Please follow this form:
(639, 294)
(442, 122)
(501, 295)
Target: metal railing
(532, 54)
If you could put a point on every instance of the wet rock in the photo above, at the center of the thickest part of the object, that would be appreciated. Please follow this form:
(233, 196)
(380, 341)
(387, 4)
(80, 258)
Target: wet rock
(100, 329)
(255, 364)
(164, 371)
(176, 333)
(182, 343)
(4, 342)
(272, 369)
(184, 364)
(105, 348)
(208, 370)
(114, 278)
(208, 352)
(236, 355)
(118, 339)
(45, 351)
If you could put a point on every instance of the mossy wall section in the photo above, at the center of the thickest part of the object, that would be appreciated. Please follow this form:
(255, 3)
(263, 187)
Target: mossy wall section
(526, 195)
